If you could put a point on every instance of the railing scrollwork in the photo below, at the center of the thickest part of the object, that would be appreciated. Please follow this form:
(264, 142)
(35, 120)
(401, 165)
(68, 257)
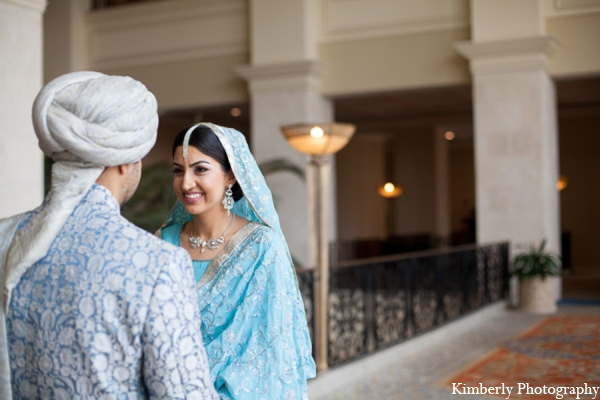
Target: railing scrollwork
(378, 302)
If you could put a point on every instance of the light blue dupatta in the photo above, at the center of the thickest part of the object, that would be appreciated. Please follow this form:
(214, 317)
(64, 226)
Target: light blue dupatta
(257, 204)
(253, 320)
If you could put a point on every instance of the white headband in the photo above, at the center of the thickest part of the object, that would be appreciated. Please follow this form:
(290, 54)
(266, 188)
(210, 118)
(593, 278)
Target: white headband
(186, 140)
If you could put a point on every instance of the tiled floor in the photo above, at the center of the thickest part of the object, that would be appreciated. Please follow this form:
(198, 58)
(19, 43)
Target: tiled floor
(414, 369)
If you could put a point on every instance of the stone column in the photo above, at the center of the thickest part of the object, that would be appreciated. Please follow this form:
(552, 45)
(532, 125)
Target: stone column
(21, 161)
(66, 39)
(516, 140)
(283, 81)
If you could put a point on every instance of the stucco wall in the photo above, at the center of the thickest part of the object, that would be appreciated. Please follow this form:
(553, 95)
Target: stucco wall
(360, 171)
(21, 161)
(191, 84)
(580, 214)
(579, 38)
(414, 170)
(187, 50)
(394, 63)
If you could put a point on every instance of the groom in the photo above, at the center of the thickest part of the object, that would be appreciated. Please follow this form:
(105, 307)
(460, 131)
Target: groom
(92, 306)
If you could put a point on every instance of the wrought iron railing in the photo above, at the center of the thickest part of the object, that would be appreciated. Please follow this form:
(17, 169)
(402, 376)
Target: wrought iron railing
(377, 302)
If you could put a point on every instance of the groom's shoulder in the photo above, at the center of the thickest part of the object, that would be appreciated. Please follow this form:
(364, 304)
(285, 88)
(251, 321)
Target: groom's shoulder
(150, 244)
(14, 222)
(9, 221)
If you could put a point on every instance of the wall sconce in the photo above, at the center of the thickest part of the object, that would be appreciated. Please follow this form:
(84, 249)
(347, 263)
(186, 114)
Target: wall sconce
(389, 190)
(562, 182)
(318, 140)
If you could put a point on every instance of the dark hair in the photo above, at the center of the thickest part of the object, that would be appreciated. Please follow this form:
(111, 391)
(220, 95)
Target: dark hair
(205, 140)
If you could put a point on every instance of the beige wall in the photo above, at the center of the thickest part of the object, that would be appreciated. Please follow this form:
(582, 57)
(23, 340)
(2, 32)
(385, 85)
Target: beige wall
(576, 25)
(57, 39)
(66, 43)
(360, 165)
(185, 51)
(21, 161)
(462, 183)
(491, 22)
(191, 84)
(579, 38)
(360, 170)
(413, 161)
(580, 200)
(168, 128)
(365, 45)
(392, 63)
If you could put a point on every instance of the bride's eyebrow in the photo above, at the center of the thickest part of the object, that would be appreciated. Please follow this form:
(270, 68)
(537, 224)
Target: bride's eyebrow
(176, 164)
(199, 162)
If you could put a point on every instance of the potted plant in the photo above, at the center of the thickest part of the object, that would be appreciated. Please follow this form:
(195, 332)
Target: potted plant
(537, 270)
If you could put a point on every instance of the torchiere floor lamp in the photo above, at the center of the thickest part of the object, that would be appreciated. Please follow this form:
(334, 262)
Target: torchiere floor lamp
(318, 141)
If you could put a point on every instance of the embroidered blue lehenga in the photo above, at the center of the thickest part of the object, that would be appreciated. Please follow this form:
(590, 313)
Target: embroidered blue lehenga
(253, 319)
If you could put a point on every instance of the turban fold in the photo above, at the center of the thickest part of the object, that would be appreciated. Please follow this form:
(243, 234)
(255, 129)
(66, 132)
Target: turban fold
(105, 120)
(85, 121)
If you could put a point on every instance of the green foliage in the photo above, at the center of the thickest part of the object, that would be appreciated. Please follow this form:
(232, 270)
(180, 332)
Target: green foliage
(537, 262)
(151, 203)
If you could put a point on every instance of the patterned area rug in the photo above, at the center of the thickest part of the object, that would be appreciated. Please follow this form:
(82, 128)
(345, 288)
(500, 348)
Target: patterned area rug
(559, 358)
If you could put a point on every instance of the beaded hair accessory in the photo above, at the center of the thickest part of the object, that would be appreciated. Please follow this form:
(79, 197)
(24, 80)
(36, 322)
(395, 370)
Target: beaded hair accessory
(186, 140)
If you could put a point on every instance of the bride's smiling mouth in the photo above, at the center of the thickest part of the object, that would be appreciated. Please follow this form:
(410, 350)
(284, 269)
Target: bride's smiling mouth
(192, 197)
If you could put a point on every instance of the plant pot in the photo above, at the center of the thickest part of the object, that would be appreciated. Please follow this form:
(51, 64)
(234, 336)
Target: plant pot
(537, 295)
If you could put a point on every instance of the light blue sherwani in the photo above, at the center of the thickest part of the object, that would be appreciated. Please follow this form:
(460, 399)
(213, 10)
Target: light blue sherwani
(106, 314)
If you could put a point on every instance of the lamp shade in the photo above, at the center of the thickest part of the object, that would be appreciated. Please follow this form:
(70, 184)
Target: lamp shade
(318, 139)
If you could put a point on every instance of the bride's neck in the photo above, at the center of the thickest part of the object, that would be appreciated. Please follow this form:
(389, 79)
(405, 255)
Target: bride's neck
(210, 224)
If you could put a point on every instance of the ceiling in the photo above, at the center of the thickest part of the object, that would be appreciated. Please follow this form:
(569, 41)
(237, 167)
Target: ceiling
(392, 112)
(396, 111)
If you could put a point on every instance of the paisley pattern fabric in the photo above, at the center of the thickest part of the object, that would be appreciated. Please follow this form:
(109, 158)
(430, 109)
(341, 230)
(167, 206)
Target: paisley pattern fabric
(108, 313)
(85, 121)
(253, 320)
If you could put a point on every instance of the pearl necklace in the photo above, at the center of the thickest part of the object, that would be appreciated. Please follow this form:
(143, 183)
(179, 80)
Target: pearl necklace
(211, 244)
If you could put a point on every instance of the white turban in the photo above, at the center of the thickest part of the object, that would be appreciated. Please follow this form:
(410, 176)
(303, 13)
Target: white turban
(85, 121)
(105, 120)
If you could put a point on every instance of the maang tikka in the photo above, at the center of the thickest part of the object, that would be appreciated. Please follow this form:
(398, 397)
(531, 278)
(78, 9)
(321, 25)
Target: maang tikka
(228, 200)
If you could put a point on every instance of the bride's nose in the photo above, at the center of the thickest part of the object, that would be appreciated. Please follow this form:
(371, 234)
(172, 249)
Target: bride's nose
(187, 182)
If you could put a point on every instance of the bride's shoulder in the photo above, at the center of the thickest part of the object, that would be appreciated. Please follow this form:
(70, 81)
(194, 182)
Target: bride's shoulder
(265, 235)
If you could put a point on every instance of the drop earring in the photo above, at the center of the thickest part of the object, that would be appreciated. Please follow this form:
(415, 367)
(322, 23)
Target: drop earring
(228, 200)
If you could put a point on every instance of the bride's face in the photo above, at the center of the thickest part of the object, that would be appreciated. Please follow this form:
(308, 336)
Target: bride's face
(199, 181)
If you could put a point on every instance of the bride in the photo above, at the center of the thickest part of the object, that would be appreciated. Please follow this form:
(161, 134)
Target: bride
(253, 320)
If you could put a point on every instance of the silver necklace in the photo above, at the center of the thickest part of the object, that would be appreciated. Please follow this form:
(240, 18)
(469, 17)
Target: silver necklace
(211, 244)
